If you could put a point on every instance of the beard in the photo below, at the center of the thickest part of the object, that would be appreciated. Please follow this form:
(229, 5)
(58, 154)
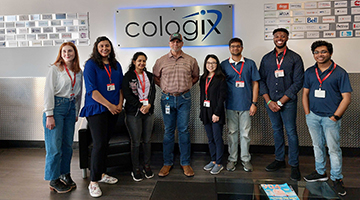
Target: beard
(236, 54)
(282, 46)
(175, 50)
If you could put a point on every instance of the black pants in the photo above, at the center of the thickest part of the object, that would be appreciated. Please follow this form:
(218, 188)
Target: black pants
(140, 126)
(101, 127)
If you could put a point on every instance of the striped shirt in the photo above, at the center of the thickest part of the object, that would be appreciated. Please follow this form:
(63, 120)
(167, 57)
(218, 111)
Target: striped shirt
(176, 75)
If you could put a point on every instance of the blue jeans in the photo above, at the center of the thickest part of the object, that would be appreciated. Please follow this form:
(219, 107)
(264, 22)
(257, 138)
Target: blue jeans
(179, 116)
(239, 123)
(323, 132)
(140, 126)
(285, 117)
(59, 140)
(216, 143)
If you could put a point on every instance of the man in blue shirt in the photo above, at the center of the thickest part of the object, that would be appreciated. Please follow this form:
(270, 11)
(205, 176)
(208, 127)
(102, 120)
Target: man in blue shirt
(282, 73)
(241, 103)
(326, 96)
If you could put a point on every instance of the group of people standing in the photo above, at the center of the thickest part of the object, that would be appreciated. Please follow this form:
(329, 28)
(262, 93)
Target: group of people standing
(229, 88)
(106, 89)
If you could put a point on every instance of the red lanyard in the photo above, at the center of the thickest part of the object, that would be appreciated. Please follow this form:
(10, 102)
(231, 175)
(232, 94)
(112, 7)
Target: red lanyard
(109, 74)
(327, 76)
(142, 83)
(282, 59)
(242, 66)
(207, 84)
(72, 82)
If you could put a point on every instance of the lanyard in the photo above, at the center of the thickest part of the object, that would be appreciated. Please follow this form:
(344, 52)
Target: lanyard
(72, 81)
(242, 66)
(109, 74)
(327, 76)
(277, 60)
(207, 84)
(142, 83)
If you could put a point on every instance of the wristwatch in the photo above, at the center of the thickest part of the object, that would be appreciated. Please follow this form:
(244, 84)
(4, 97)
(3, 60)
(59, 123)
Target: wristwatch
(279, 103)
(336, 117)
(255, 103)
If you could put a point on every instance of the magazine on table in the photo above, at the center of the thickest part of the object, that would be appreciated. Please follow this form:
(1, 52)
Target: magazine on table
(279, 192)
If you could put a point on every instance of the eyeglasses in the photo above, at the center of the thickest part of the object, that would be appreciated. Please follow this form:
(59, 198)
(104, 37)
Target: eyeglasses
(322, 52)
(211, 63)
(235, 46)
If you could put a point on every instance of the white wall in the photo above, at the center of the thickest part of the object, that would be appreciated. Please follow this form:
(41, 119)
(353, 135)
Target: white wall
(248, 25)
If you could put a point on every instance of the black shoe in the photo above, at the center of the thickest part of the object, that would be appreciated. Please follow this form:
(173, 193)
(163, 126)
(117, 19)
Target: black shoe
(66, 178)
(147, 171)
(339, 187)
(136, 174)
(276, 165)
(59, 187)
(314, 176)
(295, 173)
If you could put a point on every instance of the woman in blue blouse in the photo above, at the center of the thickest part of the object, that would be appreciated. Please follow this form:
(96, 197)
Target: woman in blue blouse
(103, 102)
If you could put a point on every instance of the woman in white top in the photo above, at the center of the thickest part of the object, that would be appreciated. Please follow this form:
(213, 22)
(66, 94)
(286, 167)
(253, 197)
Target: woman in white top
(62, 98)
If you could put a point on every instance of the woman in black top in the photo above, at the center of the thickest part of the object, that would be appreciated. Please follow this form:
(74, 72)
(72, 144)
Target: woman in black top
(212, 113)
(139, 92)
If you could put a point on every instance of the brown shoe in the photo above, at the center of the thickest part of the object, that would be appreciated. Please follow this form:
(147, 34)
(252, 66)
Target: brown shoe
(165, 170)
(188, 171)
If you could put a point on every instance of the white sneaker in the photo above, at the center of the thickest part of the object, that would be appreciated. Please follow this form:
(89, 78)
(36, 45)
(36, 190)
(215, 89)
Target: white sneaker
(94, 190)
(108, 179)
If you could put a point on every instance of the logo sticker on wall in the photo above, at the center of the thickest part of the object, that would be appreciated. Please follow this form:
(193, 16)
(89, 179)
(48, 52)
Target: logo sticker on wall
(151, 27)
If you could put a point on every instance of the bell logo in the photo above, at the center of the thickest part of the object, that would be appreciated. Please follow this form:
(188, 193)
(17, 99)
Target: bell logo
(311, 20)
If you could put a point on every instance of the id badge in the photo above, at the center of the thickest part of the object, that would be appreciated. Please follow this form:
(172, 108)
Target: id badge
(167, 109)
(239, 84)
(72, 97)
(145, 102)
(110, 86)
(320, 93)
(279, 73)
(207, 103)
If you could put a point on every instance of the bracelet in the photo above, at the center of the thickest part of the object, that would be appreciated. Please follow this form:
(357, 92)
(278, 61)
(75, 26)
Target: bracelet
(269, 102)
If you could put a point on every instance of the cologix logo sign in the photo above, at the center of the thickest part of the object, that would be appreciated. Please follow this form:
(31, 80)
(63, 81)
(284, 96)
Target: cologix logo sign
(189, 27)
(209, 25)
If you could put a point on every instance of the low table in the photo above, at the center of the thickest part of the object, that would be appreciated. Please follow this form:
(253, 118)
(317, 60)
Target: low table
(242, 189)
(249, 189)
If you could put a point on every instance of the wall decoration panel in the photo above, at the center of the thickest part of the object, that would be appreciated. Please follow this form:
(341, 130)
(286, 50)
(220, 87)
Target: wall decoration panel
(36, 30)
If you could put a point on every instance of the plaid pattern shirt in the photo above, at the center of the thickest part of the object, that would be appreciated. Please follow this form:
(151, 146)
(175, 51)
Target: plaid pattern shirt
(176, 74)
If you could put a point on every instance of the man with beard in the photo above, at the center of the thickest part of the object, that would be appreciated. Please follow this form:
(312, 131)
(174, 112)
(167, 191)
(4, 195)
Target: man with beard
(282, 74)
(176, 72)
(242, 78)
(326, 96)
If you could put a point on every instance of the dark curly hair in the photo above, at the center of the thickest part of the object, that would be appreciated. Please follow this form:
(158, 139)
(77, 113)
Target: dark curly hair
(134, 58)
(97, 58)
(320, 43)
